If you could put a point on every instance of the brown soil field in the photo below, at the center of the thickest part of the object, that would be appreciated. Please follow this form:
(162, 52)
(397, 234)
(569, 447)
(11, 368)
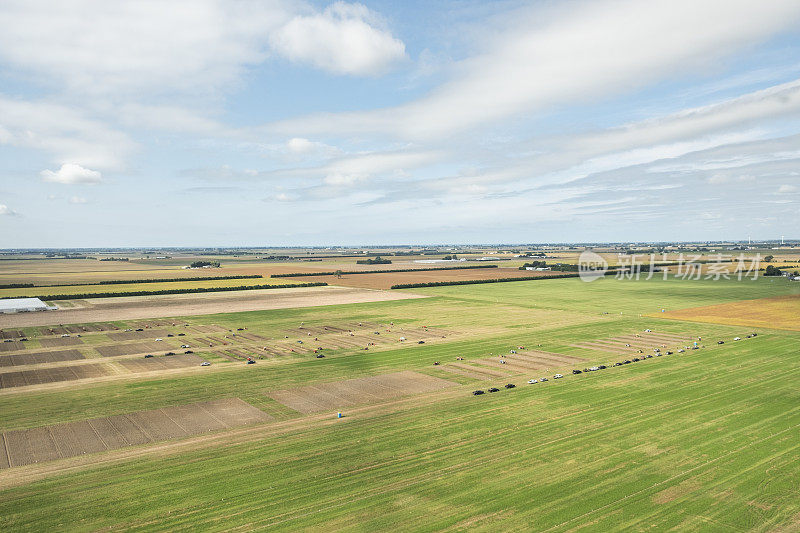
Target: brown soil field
(135, 347)
(35, 358)
(161, 363)
(12, 346)
(60, 341)
(780, 312)
(339, 394)
(136, 335)
(386, 280)
(139, 307)
(22, 447)
(11, 334)
(22, 378)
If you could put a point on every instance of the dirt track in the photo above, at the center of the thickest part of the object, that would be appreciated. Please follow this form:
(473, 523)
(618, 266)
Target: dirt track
(136, 307)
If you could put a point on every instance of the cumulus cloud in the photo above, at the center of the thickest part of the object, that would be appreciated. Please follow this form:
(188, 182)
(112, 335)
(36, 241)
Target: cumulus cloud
(5, 210)
(788, 188)
(77, 200)
(343, 39)
(70, 173)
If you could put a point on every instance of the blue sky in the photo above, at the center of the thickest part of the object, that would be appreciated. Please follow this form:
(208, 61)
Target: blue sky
(211, 123)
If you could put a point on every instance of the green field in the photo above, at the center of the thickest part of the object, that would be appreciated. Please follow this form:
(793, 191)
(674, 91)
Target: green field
(705, 440)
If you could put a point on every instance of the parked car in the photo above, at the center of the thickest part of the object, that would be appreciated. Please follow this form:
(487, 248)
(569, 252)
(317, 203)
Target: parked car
(477, 392)
(494, 389)
(188, 351)
(558, 376)
(510, 385)
(250, 362)
(542, 380)
(205, 363)
(720, 342)
(576, 371)
(421, 342)
(181, 334)
(533, 381)
(184, 345)
(148, 356)
(159, 339)
(320, 356)
(737, 338)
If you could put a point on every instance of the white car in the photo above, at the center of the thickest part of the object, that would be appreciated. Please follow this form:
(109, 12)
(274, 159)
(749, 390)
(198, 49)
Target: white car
(737, 338)
(558, 376)
(159, 339)
(205, 363)
(65, 335)
(532, 381)
(184, 346)
(594, 368)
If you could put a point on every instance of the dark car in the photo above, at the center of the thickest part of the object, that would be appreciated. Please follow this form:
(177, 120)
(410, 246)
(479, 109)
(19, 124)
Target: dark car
(720, 342)
(181, 334)
(23, 339)
(477, 392)
(669, 353)
(626, 362)
(188, 351)
(755, 334)
(510, 385)
(602, 367)
(170, 353)
(617, 364)
(148, 356)
(421, 342)
(576, 371)
(170, 335)
(320, 356)
(494, 389)
(239, 329)
(250, 362)
(140, 329)
(636, 359)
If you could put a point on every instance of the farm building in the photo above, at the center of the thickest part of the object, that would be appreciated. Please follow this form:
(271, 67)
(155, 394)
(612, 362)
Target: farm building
(22, 305)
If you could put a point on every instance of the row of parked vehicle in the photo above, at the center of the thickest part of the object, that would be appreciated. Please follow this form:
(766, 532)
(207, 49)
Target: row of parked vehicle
(657, 353)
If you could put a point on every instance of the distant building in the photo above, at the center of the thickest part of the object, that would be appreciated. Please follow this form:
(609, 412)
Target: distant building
(23, 305)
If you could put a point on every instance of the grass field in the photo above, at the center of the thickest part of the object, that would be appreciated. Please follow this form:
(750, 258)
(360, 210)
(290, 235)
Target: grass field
(704, 440)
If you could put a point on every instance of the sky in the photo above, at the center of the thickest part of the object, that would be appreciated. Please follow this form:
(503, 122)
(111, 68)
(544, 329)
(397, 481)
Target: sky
(293, 123)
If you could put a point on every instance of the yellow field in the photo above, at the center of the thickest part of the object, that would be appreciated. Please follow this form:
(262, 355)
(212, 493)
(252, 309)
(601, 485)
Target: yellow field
(780, 312)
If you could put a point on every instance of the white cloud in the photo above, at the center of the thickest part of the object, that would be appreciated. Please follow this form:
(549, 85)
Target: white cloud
(70, 173)
(4, 210)
(77, 200)
(788, 188)
(67, 133)
(579, 52)
(343, 39)
(125, 47)
(344, 179)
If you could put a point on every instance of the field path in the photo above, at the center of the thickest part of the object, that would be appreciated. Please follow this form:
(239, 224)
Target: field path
(138, 307)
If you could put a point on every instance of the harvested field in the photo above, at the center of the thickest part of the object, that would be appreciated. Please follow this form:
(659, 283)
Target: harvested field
(385, 280)
(138, 307)
(60, 341)
(134, 347)
(60, 441)
(161, 363)
(22, 378)
(12, 346)
(339, 394)
(638, 341)
(11, 334)
(34, 358)
(136, 335)
(780, 312)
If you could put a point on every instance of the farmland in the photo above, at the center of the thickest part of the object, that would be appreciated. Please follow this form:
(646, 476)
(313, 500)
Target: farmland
(684, 440)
